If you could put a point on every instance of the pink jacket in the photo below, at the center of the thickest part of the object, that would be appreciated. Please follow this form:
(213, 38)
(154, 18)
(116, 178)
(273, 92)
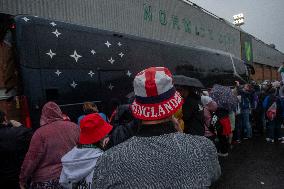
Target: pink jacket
(208, 109)
(50, 142)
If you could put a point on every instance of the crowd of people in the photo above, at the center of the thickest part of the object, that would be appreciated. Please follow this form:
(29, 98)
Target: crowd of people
(168, 135)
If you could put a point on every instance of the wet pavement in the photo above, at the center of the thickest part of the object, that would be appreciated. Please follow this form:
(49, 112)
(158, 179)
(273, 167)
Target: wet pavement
(253, 164)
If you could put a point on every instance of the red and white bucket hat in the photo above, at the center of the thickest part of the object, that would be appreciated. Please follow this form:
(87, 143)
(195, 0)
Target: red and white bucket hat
(155, 95)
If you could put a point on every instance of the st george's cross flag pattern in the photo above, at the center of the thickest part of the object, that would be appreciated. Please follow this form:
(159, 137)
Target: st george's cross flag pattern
(77, 55)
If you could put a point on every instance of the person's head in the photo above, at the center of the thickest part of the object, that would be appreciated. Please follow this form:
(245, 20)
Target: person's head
(94, 130)
(156, 99)
(272, 91)
(247, 87)
(50, 113)
(209, 103)
(187, 86)
(183, 90)
(90, 107)
(3, 118)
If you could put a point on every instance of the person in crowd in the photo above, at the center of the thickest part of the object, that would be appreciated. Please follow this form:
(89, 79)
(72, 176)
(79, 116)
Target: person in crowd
(178, 115)
(14, 144)
(158, 156)
(246, 95)
(124, 125)
(281, 71)
(49, 143)
(210, 106)
(238, 121)
(272, 101)
(90, 108)
(192, 108)
(79, 163)
(281, 96)
(224, 130)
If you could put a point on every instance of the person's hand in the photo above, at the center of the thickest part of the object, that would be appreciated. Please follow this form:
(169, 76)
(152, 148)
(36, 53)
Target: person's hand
(176, 124)
(105, 142)
(237, 83)
(21, 186)
(15, 123)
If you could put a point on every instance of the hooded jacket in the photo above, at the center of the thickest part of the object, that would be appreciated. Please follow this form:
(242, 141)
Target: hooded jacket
(78, 167)
(50, 142)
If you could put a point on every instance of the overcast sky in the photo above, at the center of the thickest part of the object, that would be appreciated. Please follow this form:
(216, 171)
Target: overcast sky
(264, 19)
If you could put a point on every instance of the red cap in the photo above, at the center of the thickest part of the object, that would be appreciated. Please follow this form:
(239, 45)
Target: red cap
(93, 129)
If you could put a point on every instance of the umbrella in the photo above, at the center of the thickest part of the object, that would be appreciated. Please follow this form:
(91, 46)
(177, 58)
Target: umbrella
(224, 97)
(187, 81)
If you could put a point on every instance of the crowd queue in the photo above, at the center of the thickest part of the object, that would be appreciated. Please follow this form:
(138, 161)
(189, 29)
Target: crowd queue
(168, 135)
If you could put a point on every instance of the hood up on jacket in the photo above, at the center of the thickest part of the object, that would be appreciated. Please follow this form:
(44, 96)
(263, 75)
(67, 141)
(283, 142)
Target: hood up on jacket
(50, 113)
(78, 166)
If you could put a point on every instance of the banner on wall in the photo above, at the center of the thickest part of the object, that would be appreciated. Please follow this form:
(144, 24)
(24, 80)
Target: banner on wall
(246, 48)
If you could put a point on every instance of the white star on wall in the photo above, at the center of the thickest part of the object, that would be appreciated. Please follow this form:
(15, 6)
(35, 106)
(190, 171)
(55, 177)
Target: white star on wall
(128, 73)
(108, 44)
(110, 86)
(119, 44)
(58, 73)
(75, 56)
(93, 51)
(53, 24)
(51, 54)
(73, 84)
(91, 73)
(56, 33)
(121, 54)
(25, 19)
(111, 60)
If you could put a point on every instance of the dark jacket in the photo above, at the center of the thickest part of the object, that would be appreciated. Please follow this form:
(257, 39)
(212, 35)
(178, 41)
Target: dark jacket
(124, 125)
(246, 99)
(269, 100)
(156, 160)
(14, 143)
(193, 116)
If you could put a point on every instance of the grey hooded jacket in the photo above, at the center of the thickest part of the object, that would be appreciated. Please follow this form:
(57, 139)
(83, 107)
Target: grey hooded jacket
(78, 167)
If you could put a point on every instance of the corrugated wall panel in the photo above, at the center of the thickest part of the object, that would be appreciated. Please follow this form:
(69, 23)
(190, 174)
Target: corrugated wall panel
(263, 54)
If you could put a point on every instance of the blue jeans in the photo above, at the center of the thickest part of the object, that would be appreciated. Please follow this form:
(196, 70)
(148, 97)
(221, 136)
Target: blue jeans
(246, 124)
(273, 129)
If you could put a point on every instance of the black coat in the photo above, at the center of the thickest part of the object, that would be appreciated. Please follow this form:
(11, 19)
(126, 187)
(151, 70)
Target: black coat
(14, 144)
(193, 116)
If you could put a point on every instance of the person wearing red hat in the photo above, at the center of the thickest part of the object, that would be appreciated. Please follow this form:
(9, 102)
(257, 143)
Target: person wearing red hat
(158, 156)
(79, 163)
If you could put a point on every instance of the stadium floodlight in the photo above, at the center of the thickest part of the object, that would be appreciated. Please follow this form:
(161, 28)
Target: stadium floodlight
(238, 19)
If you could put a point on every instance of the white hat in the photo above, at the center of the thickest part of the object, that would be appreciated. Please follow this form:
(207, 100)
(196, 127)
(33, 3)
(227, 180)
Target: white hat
(206, 100)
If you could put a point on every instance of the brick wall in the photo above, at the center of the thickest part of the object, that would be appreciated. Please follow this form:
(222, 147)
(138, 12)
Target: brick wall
(258, 76)
(274, 73)
(266, 73)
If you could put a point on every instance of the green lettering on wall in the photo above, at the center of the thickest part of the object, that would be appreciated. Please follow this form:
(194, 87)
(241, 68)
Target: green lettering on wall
(175, 21)
(148, 16)
(163, 17)
(248, 51)
(187, 25)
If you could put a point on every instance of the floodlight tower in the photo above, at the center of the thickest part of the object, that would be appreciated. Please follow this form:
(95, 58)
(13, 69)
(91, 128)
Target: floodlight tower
(239, 19)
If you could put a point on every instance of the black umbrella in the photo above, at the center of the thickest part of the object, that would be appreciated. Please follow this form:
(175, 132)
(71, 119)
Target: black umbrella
(187, 81)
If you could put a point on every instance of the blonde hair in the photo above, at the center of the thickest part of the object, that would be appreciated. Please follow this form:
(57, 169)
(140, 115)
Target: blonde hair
(90, 106)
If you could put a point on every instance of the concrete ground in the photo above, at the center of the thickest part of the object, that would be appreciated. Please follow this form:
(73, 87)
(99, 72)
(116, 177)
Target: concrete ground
(253, 164)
